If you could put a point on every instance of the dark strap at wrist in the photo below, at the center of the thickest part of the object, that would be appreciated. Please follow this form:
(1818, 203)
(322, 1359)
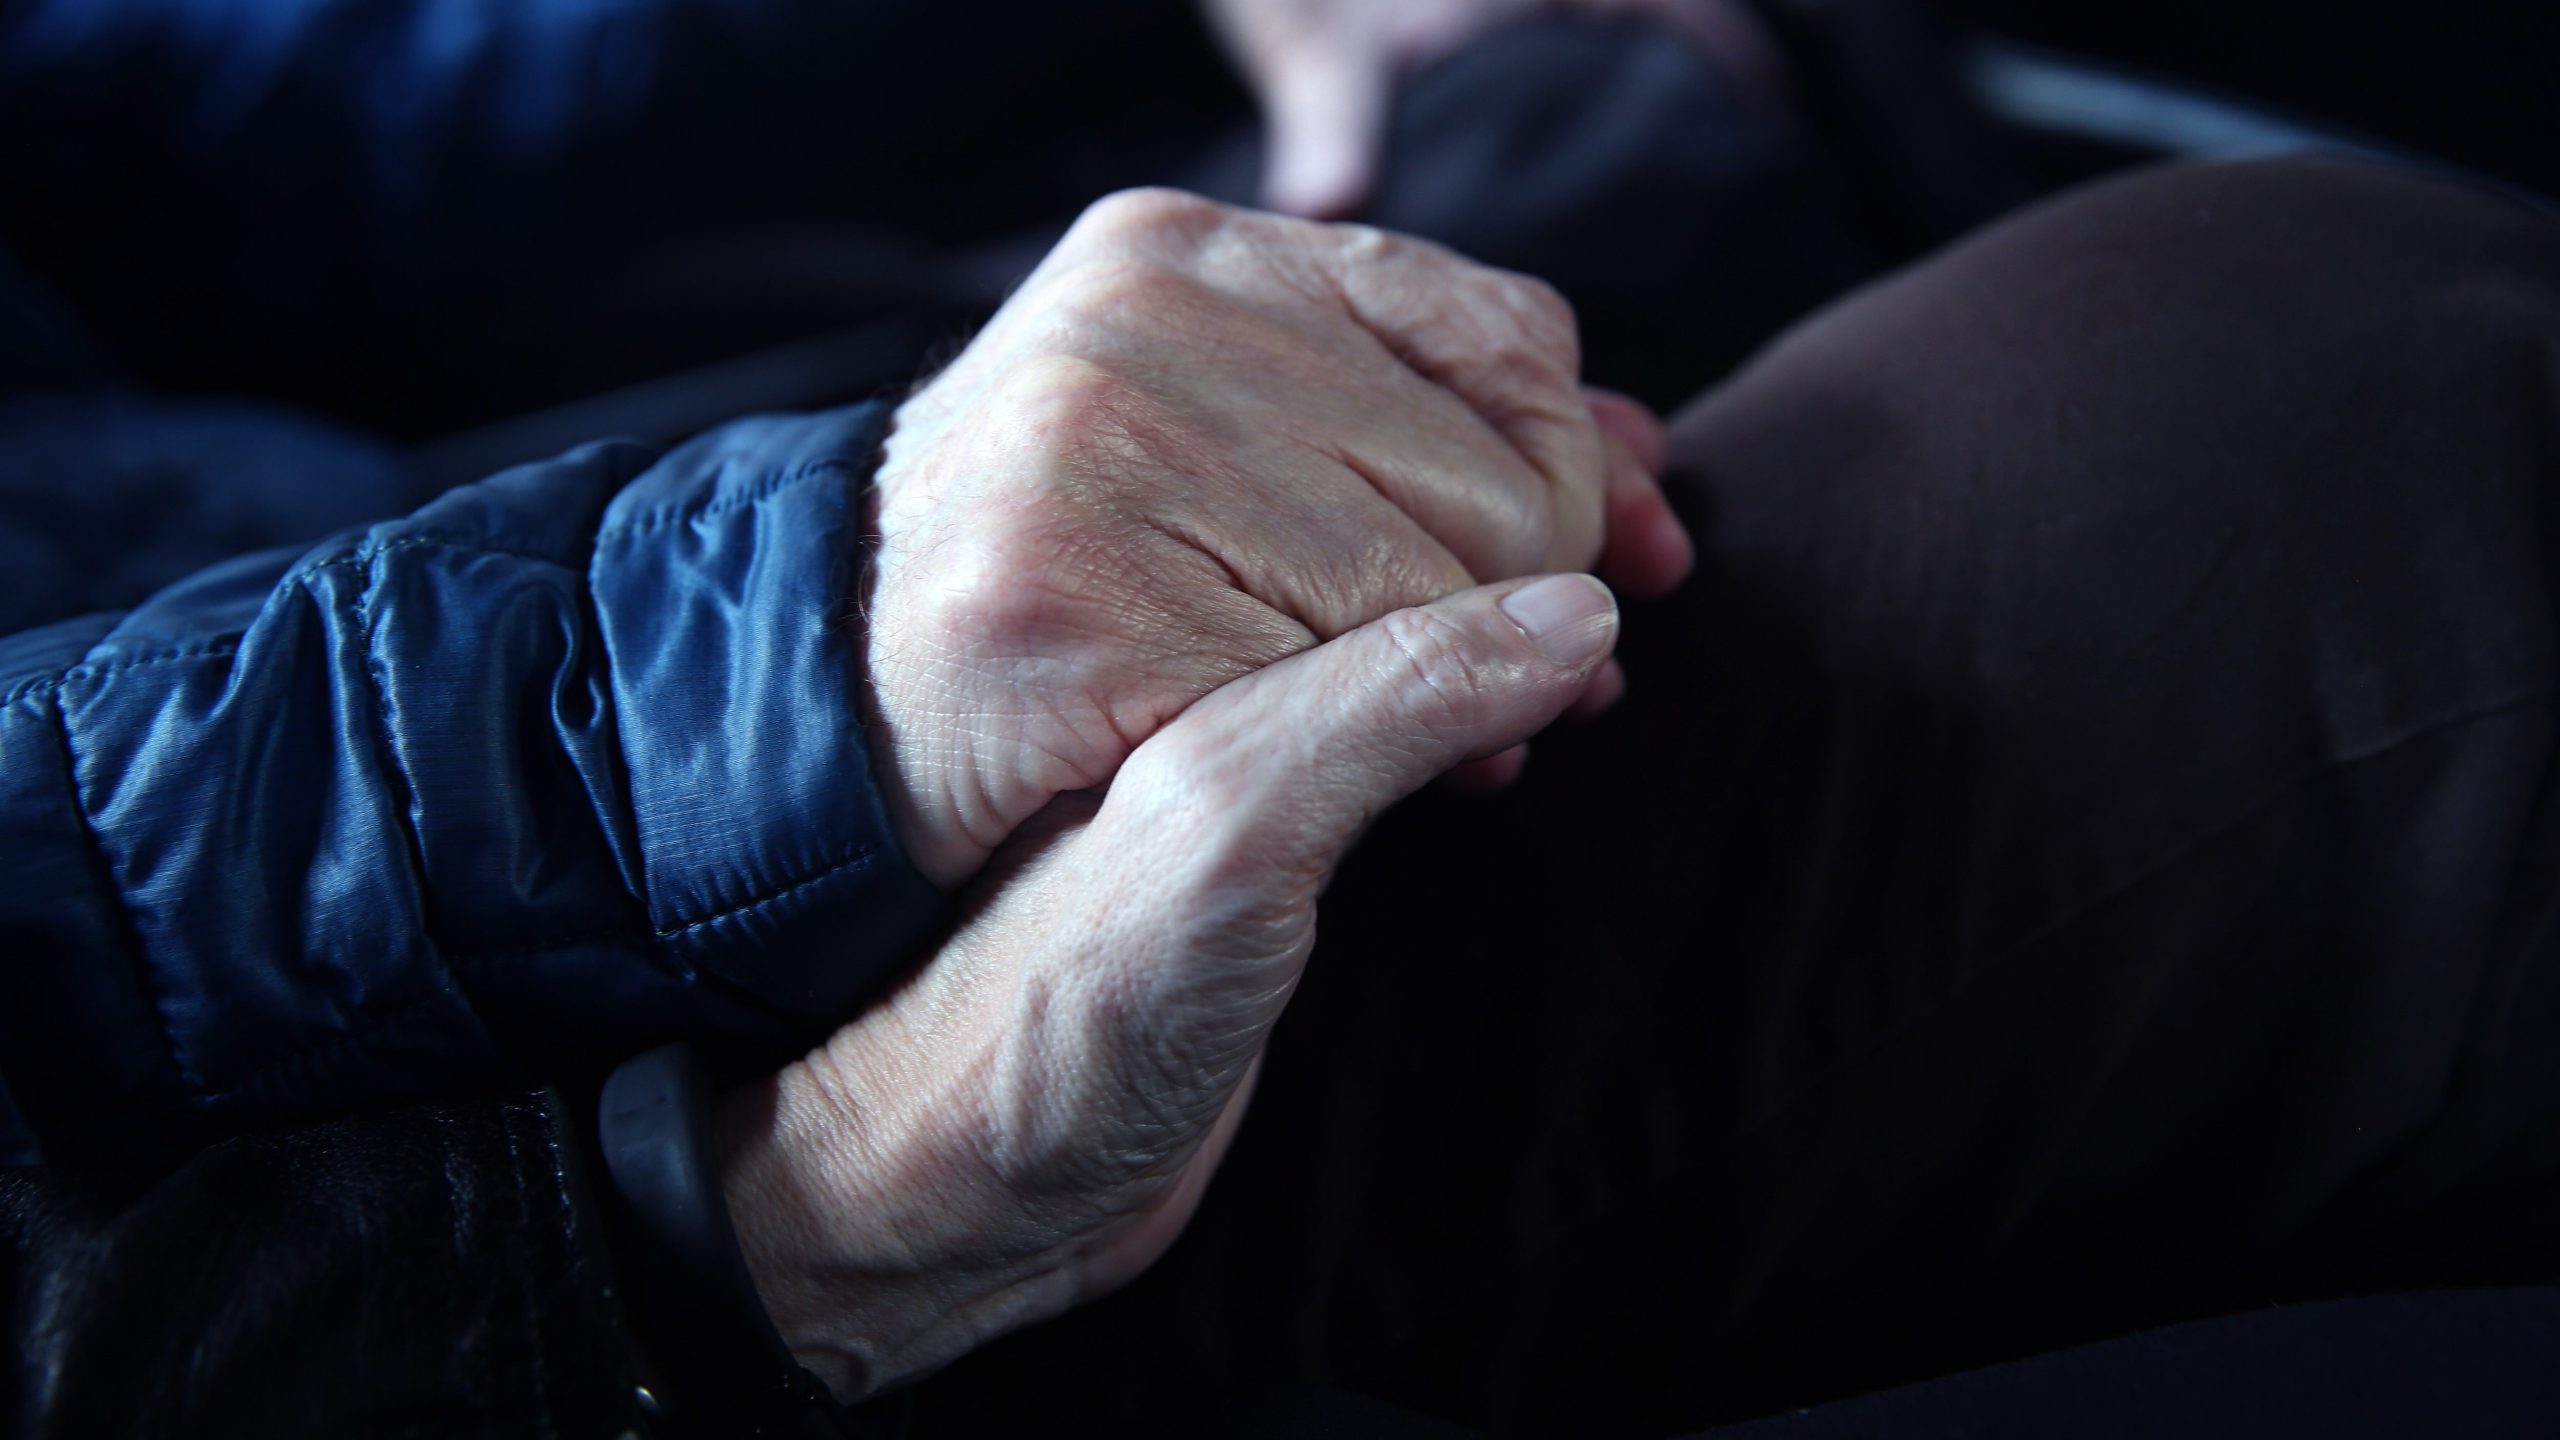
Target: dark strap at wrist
(727, 1370)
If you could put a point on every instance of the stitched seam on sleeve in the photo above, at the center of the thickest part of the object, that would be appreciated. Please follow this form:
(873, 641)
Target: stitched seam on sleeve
(128, 934)
(617, 810)
(230, 645)
(762, 491)
(369, 1033)
(365, 556)
(53, 684)
(857, 860)
(835, 465)
(387, 754)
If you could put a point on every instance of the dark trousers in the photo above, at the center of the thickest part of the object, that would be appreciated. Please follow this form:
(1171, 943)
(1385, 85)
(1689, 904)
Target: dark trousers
(2083, 854)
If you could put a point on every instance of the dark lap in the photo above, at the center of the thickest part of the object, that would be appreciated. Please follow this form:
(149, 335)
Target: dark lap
(2084, 852)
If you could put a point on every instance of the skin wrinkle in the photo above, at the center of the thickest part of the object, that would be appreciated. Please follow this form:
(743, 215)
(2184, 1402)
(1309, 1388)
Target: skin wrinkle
(1074, 1150)
(1127, 480)
(1190, 278)
(1506, 408)
(1437, 553)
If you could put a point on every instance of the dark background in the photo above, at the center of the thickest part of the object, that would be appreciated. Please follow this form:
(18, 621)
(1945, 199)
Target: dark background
(2476, 82)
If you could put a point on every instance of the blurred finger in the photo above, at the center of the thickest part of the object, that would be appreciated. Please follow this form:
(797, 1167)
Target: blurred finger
(1634, 423)
(1648, 551)
(1324, 119)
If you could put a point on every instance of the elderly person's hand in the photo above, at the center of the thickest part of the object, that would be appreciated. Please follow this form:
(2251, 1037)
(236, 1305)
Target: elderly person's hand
(1202, 453)
(1325, 70)
(1031, 1120)
(1197, 440)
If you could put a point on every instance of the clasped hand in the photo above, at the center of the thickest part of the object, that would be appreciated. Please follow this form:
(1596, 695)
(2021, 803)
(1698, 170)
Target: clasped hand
(1220, 539)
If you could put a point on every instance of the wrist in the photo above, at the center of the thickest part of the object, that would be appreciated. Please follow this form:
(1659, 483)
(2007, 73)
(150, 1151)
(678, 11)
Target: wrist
(874, 1266)
(908, 749)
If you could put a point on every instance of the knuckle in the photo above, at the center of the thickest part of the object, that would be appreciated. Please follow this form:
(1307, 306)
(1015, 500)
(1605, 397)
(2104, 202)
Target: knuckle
(1189, 779)
(1148, 215)
(1027, 534)
(1545, 317)
(1068, 409)
(1441, 684)
(997, 583)
(1120, 295)
(1368, 245)
(1532, 534)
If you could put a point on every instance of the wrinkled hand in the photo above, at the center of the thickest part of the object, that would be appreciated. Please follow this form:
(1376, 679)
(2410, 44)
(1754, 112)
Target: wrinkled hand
(1325, 70)
(1032, 1119)
(1197, 440)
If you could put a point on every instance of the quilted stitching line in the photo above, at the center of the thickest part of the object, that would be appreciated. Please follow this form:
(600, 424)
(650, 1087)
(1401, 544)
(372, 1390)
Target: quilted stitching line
(229, 645)
(53, 684)
(462, 544)
(762, 491)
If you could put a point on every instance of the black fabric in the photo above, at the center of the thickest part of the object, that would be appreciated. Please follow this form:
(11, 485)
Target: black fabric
(2467, 1365)
(2450, 1365)
(2083, 854)
(433, 1271)
(716, 1363)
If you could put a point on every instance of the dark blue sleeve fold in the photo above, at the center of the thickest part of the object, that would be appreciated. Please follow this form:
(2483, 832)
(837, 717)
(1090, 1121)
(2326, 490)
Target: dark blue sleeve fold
(563, 765)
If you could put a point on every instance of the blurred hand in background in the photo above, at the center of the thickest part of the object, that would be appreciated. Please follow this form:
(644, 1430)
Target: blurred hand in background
(1325, 70)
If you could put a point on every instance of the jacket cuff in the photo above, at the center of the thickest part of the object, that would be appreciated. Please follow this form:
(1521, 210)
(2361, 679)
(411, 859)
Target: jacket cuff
(729, 599)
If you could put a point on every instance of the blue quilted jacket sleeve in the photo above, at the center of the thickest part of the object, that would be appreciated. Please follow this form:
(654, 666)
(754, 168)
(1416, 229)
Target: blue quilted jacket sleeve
(565, 764)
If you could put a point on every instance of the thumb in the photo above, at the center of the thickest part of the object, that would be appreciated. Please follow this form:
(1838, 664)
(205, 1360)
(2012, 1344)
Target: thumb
(1261, 786)
(1325, 117)
(1172, 929)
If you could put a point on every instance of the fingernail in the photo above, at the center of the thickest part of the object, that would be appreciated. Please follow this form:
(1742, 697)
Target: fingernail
(1572, 617)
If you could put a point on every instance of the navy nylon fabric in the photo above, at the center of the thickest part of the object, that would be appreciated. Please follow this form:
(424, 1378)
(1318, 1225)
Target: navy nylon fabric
(563, 765)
